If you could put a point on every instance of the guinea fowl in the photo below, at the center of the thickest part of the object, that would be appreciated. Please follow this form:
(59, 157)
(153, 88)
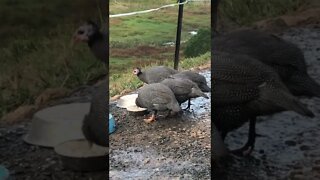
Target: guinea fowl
(284, 57)
(244, 88)
(195, 77)
(157, 97)
(154, 74)
(183, 89)
(97, 41)
(95, 124)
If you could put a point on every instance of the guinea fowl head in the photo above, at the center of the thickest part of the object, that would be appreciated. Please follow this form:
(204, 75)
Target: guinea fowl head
(137, 71)
(86, 32)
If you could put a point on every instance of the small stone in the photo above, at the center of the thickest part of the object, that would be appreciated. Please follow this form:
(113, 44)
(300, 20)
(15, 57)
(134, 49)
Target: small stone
(317, 161)
(290, 143)
(193, 134)
(304, 148)
(146, 161)
(296, 172)
(298, 177)
(316, 168)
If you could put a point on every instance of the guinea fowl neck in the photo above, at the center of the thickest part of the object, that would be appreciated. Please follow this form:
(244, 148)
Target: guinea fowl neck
(97, 36)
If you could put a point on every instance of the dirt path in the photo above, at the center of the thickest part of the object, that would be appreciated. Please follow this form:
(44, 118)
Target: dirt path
(290, 146)
(177, 147)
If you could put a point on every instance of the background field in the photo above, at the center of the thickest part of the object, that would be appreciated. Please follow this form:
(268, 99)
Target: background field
(35, 49)
(140, 40)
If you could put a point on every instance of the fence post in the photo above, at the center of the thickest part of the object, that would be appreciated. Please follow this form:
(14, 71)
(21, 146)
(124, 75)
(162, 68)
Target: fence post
(178, 36)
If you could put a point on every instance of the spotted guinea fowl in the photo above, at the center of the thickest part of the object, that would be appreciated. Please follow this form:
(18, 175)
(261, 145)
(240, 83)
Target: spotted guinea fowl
(183, 89)
(97, 41)
(195, 77)
(283, 56)
(244, 88)
(157, 97)
(95, 124)
(154, 74)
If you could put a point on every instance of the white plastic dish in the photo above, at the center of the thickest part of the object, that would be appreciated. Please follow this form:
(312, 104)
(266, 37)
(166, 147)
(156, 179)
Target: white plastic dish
(57, 124)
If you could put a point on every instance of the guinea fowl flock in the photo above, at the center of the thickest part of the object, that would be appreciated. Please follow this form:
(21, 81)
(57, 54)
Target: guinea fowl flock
(253, 74)
(167, 89)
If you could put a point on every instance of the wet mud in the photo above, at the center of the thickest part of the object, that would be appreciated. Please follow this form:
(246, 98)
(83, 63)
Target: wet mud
(175, 147)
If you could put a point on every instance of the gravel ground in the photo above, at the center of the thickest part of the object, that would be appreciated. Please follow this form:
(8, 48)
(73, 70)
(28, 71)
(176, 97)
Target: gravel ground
(171, 148)
(290, 145)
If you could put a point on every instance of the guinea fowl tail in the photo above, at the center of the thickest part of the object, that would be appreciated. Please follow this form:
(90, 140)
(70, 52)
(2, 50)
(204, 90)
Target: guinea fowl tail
(284, 99)
(302, 84)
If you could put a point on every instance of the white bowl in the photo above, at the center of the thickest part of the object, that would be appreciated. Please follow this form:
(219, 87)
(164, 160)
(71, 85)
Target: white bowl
(57, 124)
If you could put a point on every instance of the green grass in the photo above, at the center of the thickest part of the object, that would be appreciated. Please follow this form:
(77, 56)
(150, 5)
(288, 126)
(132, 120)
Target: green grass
(36, 52)
(155, 28)
(141, 38)
(245, 12)
(126, 81)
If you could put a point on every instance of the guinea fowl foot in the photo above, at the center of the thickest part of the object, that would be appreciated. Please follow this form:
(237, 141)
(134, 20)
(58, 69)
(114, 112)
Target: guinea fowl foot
(243, 152)
(150, 119)
(186, 109)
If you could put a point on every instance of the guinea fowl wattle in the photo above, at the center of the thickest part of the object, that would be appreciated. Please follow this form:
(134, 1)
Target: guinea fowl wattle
(97, 41)
(154, 74)
(95, 124)
(284, 57)
(244, 88)
(157, 97)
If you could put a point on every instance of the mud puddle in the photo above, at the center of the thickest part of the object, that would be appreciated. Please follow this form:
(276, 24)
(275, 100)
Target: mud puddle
(290, 144)
(175, 147)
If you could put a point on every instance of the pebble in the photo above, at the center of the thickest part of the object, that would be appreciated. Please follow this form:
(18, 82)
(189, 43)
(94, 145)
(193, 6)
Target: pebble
(316, 168)
(304, 148)
(290, 143)
(298, 177)
(146, 161)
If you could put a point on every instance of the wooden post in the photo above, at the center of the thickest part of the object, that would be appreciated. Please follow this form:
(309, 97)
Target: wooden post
(178, 36)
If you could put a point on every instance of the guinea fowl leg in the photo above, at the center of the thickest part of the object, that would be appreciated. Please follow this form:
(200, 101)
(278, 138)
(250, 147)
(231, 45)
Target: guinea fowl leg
(248, 147)
(189, 104)
(151, 118)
